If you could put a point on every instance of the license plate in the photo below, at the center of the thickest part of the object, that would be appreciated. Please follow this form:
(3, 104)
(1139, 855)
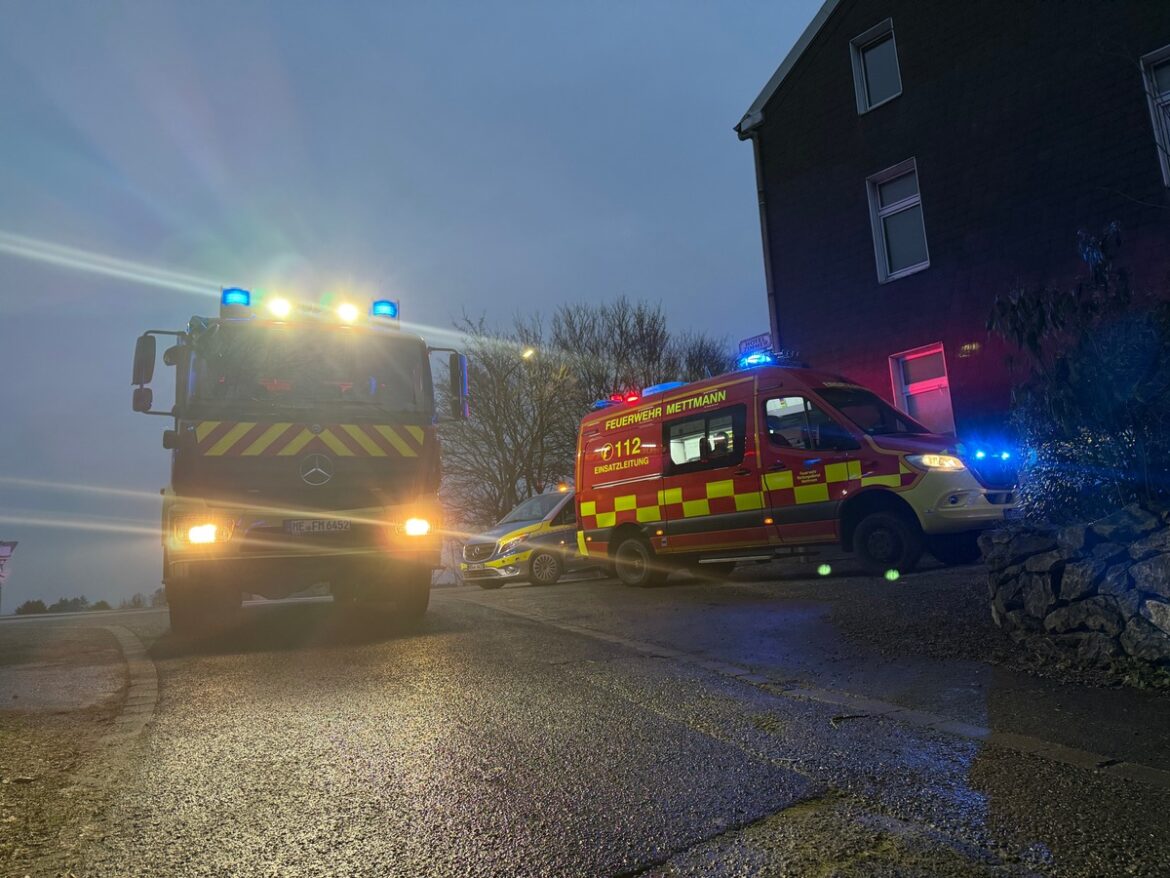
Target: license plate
(475, 566)
(316, 525)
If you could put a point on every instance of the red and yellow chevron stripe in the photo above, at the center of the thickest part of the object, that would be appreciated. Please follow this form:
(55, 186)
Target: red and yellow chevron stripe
(267, 439)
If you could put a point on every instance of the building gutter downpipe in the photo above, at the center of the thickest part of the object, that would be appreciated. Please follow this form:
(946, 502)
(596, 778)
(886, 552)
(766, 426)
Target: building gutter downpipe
(754, 134)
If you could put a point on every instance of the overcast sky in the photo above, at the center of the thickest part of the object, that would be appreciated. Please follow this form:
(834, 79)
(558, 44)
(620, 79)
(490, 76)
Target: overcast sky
(482, 156)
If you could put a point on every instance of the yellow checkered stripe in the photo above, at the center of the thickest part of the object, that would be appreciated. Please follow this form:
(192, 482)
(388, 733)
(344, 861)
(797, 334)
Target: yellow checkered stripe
(720, 496)
(283, 439)
(785, 486)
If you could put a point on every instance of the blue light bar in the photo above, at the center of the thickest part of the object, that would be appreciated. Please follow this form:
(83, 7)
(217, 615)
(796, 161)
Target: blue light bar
(385, 308)
(236, 296)
(603, 404)
(755, 358)
(659, 388)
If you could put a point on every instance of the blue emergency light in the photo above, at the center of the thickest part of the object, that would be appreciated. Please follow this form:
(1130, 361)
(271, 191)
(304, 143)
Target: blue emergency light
(236, 296)
(755, 358)
(385, 308)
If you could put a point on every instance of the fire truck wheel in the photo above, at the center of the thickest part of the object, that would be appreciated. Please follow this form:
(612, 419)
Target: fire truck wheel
(544, 568)
(414, 592)
(201, 607)
(955, 548)
(885, 541)
(635, 564)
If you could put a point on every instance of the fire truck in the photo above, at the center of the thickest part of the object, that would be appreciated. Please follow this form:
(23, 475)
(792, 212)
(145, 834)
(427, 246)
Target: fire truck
(303, 451)
(768, 461)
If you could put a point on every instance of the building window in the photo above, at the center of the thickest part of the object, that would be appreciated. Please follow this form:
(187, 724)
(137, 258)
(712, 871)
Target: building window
(876, 77)
(1156, 69)
(921, 388)
(899, 235)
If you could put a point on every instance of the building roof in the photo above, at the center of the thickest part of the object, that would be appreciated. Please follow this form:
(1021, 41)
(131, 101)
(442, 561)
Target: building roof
(755, 114)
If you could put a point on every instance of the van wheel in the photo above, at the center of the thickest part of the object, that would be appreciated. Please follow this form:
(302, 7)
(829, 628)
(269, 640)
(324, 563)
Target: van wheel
(885, 541)
(960, 548)
(544, 568)
(635, 564)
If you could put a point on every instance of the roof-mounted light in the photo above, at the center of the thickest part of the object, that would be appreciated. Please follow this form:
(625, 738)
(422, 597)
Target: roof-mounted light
(756, 358)
(661, 388)
(387, 308)
(279, 308)
(235, 296)
(347, 312)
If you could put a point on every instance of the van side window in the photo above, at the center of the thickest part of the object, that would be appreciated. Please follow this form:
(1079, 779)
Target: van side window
(797, 422)
(706, 441)
(568, 515)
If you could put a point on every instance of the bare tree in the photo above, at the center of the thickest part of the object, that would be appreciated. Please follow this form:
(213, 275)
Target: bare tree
(530, 387)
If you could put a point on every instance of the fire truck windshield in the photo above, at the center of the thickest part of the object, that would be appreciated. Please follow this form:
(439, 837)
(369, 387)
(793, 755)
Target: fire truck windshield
(870, 412)
(264, 368)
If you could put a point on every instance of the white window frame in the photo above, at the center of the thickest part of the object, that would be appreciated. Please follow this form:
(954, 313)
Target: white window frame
(903, 391)
(856, 46)
(1159, 108)
(877, 213)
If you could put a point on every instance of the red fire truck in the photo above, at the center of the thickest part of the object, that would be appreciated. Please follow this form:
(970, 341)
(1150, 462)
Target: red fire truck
(769, 460)
(303, 451)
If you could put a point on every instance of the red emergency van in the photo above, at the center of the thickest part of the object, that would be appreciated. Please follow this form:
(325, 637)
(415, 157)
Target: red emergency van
(763, 462)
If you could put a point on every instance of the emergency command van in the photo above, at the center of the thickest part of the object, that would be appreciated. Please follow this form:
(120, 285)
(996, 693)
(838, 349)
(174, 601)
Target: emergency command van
(770, 460)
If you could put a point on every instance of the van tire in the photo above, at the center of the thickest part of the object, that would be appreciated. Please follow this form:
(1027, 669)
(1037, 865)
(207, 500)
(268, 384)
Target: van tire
(544, 568)
(635, 563)
(886, 541)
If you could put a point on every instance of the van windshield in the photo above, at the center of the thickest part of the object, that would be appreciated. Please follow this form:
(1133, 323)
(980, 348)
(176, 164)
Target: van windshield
(872, 414)
(533, 509)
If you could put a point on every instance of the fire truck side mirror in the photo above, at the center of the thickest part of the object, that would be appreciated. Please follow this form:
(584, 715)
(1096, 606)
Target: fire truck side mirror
(143, 399)
(460, 409)
(144, 355)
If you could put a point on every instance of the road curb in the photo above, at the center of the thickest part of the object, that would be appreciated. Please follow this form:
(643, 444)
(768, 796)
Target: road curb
(865, 706)
(141, 692)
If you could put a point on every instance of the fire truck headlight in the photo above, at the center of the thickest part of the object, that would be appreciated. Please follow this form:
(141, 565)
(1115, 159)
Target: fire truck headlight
(416, 527)
(202, 533)
(280, 307)
(944, 462)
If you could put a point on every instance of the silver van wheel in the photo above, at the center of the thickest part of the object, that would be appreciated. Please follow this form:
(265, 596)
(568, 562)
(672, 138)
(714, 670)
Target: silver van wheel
(544, 569)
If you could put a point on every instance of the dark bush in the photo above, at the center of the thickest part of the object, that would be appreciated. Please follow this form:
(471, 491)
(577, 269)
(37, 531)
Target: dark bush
(1092, 395)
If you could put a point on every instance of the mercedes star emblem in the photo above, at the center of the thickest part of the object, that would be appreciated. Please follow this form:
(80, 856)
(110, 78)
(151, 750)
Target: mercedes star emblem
(316, 469)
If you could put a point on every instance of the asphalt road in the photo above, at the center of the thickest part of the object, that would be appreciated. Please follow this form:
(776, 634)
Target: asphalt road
(760, 727)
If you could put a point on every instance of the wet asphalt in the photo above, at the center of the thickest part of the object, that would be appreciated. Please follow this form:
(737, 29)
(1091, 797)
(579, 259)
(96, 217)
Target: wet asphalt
(592, 730)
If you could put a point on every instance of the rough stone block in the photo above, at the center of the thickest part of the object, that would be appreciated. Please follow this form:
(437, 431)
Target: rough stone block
(1080, 579)
(1125, 525)
(1038, 596)
(1158, 613)
(1145, 642)
(1044, 562)
(1028, 543)
(1094, 614)
(1097, 649)
(1155, 544)
(1107, 552)
(1072, 541)
(1152, 575)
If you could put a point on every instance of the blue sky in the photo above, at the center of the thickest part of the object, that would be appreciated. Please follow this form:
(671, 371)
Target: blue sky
(488, 157)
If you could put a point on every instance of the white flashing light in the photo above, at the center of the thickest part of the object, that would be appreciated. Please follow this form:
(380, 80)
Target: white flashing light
(347, 312)
(416, 527)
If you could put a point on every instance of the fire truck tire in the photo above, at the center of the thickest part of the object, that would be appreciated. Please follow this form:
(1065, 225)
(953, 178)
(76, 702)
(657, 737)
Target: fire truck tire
(544, 568)
(414, 593)
(635, 564)
(961, 548)
(201, 607)
(886, 541)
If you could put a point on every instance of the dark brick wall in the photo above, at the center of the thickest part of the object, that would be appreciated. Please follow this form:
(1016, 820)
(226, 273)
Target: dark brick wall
(1028, 122)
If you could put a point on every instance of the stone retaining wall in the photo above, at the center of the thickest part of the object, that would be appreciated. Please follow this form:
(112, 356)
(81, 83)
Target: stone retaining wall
(1098, 594)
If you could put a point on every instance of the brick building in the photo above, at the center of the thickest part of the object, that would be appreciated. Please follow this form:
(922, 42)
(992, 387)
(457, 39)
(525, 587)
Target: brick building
(916, 159)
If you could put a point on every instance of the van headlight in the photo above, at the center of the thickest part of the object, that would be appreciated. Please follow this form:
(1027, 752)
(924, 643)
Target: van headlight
(507, 548)
(945, 462)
